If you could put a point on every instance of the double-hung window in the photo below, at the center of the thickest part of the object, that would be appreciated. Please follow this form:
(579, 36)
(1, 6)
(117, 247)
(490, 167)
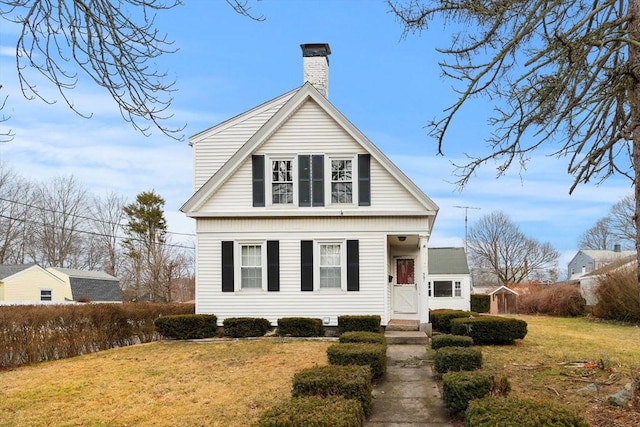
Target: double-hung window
(457, 288)
(341, 181)
(330, 265)
(251, 266)
(281, 182)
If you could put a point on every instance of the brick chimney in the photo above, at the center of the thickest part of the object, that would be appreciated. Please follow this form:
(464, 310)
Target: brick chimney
(315, 64)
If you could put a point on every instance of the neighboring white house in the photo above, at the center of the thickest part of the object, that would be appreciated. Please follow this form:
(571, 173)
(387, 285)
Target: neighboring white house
(590, 281)
(449, 279)
(299, 214)
(586, 260)
(31, 284)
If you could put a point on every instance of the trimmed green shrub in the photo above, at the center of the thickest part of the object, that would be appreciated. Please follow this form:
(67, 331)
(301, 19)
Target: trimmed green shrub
(187, 326)
(480, 303)
(459, 388)
(457, 359)
(350, 382)
(242, 327)
(335, 411)
(367, 337)
(300, 327)
(512, 412)
(374, 355)
(490, 329)
(362, 323)
(439, 341)
(441, 318)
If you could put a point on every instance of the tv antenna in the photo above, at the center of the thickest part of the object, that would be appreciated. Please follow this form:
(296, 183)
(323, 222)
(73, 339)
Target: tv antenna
(466, 210)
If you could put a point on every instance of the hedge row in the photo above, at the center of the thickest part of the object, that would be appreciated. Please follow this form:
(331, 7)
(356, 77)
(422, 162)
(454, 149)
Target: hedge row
(37, 333)
(439, 341)
(187, 326)
(300, 327)
(448, 359)
(334, 411)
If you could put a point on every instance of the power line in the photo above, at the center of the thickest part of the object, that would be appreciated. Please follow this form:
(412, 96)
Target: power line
(81, 217)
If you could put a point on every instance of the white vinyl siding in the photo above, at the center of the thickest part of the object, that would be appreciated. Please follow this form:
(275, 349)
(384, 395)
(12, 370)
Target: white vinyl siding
(290, 301)
(213, 149)
(311, 131)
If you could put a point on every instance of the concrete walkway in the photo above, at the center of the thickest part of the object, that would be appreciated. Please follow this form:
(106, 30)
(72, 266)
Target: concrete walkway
(408, 395)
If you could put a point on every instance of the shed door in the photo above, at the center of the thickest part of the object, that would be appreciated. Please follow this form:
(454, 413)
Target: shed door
(405, 292)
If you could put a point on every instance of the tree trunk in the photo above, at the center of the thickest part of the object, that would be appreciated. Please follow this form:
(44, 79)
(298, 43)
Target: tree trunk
(634, 102)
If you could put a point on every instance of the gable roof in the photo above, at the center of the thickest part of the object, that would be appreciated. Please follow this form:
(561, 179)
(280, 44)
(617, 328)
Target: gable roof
(298, 97)
(447, 261)
(614, 265)
(95, 290)
(503, 289)
(602, 255)
(7, 270)
(85, 274)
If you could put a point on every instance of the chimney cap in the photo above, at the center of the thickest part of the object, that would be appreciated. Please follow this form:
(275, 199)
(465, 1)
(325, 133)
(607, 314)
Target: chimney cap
(315, 49)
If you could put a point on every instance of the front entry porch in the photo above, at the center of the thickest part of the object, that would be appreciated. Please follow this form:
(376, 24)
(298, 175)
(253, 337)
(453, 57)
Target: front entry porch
(407, 270)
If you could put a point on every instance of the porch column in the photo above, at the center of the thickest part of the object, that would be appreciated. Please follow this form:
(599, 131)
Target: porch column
(423, 285)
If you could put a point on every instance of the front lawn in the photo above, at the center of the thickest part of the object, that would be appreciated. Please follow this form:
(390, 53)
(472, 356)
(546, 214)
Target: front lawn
(222, 384)
(560, 356)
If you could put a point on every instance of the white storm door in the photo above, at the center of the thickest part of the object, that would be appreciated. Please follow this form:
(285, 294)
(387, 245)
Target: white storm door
(405, 293)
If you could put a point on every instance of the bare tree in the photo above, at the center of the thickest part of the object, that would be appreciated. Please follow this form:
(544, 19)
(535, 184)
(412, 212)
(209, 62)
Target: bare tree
(564, 71)
(622, 221)
(598, 237)
(107, 215)
(112, 43)
(497, 244)
(15, 198)
(60, 222)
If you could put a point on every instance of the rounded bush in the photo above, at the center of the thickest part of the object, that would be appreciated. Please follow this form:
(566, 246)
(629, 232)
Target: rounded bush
(490, 329)
(300, 327)
(459, 388)
(441, 318)
(512, 412)
(187, 326)
(350, 382)
(242, 327)
(457, 359)
(374, 355)
(335, 411)
(366, 337)
(358, 323)
(439, 341)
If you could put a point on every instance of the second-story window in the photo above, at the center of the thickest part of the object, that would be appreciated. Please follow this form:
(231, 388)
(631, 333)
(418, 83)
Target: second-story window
(341, 181)
(282, 181)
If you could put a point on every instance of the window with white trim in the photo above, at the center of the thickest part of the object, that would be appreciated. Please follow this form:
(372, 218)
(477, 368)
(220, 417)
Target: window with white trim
(46, 295)
(330, 266)
(442, 288)
(282, 181)
(341, 181)
(251, 266)
(457, 288)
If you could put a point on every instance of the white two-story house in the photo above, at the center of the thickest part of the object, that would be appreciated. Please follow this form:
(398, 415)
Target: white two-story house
(299, 214)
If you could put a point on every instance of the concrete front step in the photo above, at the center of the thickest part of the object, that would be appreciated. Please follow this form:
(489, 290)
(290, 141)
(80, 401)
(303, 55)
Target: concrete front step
(402, 325)
(406, 337)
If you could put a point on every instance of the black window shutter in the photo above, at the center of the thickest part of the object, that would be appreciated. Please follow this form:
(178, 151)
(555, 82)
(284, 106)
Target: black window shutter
(364, 179)
(353, 265)
(258, 180)
(318, 180)
(306, 265)
(227, 266)
(304, 181)
(273, 265)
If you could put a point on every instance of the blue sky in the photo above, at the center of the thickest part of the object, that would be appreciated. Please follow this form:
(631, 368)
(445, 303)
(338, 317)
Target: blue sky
(389, 87)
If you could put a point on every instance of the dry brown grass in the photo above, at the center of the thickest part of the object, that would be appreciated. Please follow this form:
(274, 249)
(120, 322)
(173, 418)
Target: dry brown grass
(222, 383)
(540, 366)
